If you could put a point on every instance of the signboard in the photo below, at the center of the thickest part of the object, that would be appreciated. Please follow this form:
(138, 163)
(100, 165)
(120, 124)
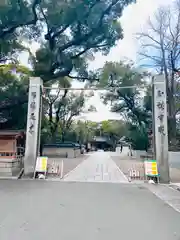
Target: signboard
(41, 164)
(151, 168)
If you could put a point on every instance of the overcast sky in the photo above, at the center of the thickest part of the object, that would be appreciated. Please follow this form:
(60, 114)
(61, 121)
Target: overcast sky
(133, 20)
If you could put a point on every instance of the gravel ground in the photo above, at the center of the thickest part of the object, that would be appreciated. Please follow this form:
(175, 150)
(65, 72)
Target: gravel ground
(127, 164)
(68, 163)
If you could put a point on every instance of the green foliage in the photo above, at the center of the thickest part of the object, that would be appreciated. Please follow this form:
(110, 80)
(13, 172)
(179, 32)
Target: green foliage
(9, 50)
(14, 14)
(62, 109)
(13, 86)
(69, 32)
(86, 130)
(148, 99)
(118, 77)
(125, 89)
(75, 31)
(114, 128)
(138, 137)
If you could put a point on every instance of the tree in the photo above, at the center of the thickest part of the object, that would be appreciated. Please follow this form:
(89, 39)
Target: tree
(62, 110)
(72, 107)
(129, 102)
(15, 14)
(137, 137)
(160, 50)
(113, 128)
(72, 30)
(69, 33)
(75, 29)
(13, 82)
(15, 17)
(86, 130)
(125, 93)
(81, 129)
(52, 99)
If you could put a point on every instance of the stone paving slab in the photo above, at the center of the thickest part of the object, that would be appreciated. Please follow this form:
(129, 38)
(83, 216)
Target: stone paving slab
(167, 194)
(98, 167)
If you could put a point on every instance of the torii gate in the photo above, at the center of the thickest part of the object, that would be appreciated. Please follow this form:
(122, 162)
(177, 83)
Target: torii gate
(159, 120)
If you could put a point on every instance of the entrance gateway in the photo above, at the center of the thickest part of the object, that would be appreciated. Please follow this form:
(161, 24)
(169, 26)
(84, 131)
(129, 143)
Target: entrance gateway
(160, 131)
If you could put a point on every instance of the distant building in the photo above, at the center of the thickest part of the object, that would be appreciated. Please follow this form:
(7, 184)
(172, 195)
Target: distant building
(101, 142)
(12, 148)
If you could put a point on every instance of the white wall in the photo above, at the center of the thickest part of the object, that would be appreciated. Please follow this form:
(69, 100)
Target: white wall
(174, 159)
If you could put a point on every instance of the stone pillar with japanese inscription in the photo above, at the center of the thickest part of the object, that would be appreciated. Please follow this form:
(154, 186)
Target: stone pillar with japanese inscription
(160, 127)
(33, 125)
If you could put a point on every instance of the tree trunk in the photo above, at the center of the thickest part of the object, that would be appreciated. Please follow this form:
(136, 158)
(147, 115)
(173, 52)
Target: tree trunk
(63, 136)
(172, 121)
(51, 119)
(171, 114)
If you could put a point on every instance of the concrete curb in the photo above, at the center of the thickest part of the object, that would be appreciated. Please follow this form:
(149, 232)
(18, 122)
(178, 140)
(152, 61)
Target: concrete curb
(13, 177)
(9, 178)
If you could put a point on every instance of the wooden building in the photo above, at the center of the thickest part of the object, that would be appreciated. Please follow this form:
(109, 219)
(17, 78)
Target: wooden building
(12, 148)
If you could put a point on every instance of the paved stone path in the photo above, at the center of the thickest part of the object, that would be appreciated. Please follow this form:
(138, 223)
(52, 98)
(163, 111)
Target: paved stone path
(42, 210)
(98, 167)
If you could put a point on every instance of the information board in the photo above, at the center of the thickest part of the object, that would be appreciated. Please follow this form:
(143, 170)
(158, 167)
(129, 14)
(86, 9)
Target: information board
(151, 168)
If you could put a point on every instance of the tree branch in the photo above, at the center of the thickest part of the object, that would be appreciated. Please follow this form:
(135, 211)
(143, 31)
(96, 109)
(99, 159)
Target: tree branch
(80, 39)
(83, 78)
(145, 35)
(4, 31)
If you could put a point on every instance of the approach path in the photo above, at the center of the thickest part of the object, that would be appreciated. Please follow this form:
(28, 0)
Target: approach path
(98, 167)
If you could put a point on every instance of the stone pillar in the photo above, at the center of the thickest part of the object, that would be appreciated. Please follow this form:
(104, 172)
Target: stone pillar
(160, 127)
(33, 125)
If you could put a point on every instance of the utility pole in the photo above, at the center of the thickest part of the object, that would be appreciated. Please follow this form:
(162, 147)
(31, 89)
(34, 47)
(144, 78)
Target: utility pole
(160, 127)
